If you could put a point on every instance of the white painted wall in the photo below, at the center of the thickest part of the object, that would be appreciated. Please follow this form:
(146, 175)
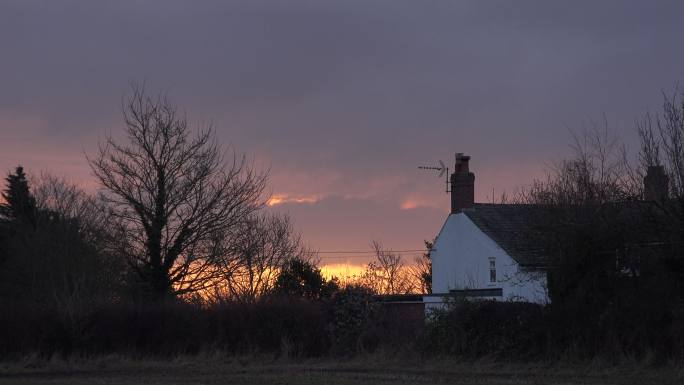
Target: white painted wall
(460, 260)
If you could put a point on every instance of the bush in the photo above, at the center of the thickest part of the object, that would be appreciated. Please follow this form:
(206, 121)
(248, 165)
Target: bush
(352, 311)
(291, 327)
(487, 328)
(352, 322)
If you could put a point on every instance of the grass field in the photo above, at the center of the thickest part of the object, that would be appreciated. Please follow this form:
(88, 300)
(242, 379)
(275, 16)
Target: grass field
(372, 370)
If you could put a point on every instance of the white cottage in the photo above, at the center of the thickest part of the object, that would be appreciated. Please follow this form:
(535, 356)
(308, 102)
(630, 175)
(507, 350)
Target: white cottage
(484, 250)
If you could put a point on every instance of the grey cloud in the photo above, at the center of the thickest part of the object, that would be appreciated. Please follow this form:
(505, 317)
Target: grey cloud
(359, 88)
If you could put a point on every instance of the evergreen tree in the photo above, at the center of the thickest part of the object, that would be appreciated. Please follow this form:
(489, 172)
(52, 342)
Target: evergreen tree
(18, 206)
(19, 203)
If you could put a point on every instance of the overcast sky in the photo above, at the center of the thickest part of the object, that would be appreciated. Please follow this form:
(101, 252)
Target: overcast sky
(341, 99)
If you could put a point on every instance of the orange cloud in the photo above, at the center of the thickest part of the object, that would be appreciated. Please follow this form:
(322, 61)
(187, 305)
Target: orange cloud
(414, 202)
(279, 199)
(409, 204)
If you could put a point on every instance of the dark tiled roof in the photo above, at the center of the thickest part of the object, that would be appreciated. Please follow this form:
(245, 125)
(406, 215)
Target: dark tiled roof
(510, 226)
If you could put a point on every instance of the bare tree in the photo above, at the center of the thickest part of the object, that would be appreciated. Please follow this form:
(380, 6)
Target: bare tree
(262, 245)
(662, 140)
(174, 194)
(59, 197)
(421, 270)
(662, 167)
(387, 274)
(596, 173)
(587, 213)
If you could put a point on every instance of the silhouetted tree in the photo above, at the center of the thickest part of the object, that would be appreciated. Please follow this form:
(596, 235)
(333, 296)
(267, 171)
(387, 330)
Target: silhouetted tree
(175, 196)
(19, 204)
(4, 242)
(353, 309)
(662, 141)
(301, 278)
(662, 151)
(77, 230)
(262, 245)
(606, 279)
(585, 204)
(422, 270)
(61, 258)
(17, 216)
(388, 274)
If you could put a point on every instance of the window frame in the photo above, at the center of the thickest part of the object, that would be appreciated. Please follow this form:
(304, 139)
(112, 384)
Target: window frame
(492, 271)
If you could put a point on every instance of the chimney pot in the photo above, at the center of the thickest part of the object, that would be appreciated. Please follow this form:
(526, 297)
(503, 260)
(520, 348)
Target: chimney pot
(656, 184)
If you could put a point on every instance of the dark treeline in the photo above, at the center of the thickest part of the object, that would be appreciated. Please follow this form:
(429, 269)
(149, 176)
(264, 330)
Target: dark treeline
(348, 323)
(177, 256)
(613, 231)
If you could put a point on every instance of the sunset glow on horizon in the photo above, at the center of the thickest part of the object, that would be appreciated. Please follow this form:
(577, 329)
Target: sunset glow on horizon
(342, 271)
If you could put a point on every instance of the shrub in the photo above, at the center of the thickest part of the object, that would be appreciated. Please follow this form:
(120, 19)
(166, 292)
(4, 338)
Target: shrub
(352, 309)
(487, 328)
(292, 327)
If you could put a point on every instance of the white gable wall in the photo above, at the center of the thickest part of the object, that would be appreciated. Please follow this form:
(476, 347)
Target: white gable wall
(460, 260)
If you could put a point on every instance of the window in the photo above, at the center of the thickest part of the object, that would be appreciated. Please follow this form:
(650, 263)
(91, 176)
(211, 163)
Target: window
(492, 270)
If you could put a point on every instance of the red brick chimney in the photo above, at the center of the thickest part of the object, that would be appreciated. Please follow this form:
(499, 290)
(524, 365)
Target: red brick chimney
(462, 185)
(656, 184)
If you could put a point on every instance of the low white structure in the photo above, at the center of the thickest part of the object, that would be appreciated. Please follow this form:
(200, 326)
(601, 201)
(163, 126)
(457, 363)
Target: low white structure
(485, 250)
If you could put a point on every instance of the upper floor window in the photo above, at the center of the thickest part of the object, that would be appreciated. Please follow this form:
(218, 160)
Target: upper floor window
(492, 270)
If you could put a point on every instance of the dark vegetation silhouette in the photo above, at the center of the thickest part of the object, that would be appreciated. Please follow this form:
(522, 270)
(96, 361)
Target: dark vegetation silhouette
(54, 247)
(177, 256)
(388, 273)
(300, 278)
(261, 247)
(19, 205)
(613, 232)
(422, 269)
(174, 196)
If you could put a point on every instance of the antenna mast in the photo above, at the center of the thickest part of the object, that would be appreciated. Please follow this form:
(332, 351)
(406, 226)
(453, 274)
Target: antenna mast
(442, 168)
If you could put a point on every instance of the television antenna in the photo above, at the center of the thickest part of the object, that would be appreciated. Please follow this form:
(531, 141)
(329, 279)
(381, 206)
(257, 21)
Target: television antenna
(443, 170)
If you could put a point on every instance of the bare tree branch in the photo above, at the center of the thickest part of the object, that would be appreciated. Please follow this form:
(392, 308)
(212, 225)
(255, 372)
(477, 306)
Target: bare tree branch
(173, 192)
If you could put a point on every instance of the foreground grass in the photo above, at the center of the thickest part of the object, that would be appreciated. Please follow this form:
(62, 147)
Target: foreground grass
(371, 370)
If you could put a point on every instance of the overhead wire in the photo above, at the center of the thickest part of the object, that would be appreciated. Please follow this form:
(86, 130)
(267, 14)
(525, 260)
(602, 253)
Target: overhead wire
(370, 251)
(353, 254)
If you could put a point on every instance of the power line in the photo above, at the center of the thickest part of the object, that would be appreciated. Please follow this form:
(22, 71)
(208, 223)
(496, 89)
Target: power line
(370, 251)
(350, 257)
